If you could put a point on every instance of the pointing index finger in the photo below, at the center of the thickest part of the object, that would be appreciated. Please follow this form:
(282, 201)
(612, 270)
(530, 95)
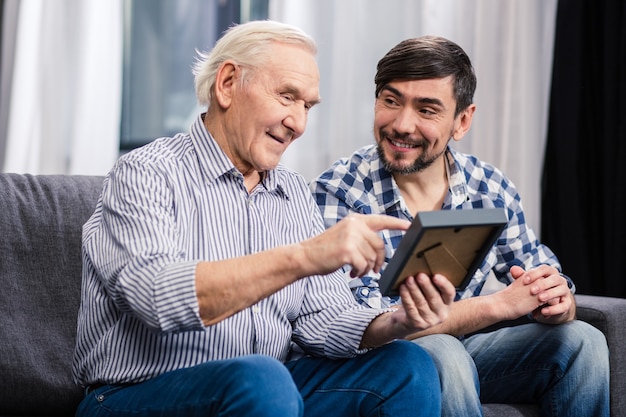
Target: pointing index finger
(378, 222)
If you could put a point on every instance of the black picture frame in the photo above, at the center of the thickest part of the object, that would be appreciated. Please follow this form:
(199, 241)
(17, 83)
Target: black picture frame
(449, 242)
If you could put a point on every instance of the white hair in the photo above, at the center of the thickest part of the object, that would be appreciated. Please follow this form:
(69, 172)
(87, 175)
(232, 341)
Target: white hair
(245, 44)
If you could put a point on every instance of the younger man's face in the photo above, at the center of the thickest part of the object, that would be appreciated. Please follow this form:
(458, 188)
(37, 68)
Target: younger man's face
(413, 123)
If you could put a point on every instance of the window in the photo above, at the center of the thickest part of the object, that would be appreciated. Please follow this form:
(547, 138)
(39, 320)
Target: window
(160, 42)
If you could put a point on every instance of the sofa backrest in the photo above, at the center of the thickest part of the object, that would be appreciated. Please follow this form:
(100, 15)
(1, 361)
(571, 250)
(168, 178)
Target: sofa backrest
(41, 219)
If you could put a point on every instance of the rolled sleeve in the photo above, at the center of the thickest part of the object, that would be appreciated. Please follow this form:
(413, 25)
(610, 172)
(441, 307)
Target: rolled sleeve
(175, 300)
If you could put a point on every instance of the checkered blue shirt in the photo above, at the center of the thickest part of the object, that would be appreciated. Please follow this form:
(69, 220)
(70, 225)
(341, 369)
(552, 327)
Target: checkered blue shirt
(361, 184)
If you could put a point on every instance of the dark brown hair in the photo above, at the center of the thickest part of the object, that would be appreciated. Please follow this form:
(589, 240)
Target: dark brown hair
(429, 57)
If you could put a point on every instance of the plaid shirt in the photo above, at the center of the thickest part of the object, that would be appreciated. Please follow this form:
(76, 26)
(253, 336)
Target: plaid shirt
(361, 184)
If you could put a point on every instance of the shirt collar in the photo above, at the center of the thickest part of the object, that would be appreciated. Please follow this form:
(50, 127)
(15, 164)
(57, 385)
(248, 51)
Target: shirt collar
(386, 190)
(456, 180)
(214, 162)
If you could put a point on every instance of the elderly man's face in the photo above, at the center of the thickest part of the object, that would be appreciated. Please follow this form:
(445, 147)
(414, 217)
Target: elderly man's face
(270, 110)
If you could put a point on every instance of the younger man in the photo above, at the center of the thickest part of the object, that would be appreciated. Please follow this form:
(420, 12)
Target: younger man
(424, 93)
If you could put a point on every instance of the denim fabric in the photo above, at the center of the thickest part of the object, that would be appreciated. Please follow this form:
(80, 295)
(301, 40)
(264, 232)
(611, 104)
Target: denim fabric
(398, 379)
(563, 368)
(247, 386)
(459, 378)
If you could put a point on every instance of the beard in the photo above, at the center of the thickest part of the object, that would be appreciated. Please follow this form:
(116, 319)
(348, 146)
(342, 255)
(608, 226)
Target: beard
(394, 162)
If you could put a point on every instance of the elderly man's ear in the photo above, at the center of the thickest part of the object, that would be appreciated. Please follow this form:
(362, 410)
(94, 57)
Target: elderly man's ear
(226, 81)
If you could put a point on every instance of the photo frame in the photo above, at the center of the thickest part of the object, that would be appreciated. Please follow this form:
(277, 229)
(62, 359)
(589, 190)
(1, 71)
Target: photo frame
(448, 242)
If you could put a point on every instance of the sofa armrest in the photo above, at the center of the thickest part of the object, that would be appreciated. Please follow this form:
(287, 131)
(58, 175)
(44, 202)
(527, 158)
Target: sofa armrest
(608, 314)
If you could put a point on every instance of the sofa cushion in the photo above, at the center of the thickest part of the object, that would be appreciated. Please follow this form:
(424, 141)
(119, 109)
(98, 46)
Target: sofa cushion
(607, 314)
(510, 410)
(41, 220)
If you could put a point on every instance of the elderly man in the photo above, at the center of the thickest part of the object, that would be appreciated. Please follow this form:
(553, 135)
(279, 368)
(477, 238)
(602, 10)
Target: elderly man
(210, 287)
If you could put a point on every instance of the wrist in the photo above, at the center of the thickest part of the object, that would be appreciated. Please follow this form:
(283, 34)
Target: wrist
(299, 260)
(497, 307)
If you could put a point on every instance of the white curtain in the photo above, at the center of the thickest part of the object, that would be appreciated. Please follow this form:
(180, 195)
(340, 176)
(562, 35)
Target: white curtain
(509, 42)
(64, 108)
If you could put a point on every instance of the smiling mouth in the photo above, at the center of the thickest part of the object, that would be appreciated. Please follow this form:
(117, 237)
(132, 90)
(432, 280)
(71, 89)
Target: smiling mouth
(403, 145)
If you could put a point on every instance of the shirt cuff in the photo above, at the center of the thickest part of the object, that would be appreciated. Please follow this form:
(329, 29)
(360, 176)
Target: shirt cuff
(352, 325)
(175, 298)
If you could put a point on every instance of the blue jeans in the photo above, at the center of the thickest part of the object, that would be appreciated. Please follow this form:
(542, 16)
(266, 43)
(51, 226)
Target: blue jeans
(460, 385)
(398, 379)
(563, 368)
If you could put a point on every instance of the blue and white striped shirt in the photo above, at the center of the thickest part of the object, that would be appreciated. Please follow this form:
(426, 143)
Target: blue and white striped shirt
(361, 184)
(165, 207)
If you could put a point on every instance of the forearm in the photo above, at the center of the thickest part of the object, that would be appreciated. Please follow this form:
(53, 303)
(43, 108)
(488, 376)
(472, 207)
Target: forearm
(476, 313)
(383, 329)
(467, 316)
(226, 287)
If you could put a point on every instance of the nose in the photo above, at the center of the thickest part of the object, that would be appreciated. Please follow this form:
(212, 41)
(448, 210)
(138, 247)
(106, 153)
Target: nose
(405, 120)
(296, 120)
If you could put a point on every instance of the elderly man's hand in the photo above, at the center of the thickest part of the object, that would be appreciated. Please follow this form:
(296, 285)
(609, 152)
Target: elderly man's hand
(426, 303)
(352, 241)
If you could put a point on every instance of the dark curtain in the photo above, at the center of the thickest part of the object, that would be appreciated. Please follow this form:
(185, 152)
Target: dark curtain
(584, 176)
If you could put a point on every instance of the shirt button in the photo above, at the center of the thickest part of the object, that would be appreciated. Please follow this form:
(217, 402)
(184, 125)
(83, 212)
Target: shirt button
(256, 309)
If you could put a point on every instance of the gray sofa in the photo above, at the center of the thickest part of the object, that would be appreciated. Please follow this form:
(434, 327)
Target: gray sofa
(40, 267)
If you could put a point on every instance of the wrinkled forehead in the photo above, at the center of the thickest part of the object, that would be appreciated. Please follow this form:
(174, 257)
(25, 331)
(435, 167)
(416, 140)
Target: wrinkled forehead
(293, 67)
